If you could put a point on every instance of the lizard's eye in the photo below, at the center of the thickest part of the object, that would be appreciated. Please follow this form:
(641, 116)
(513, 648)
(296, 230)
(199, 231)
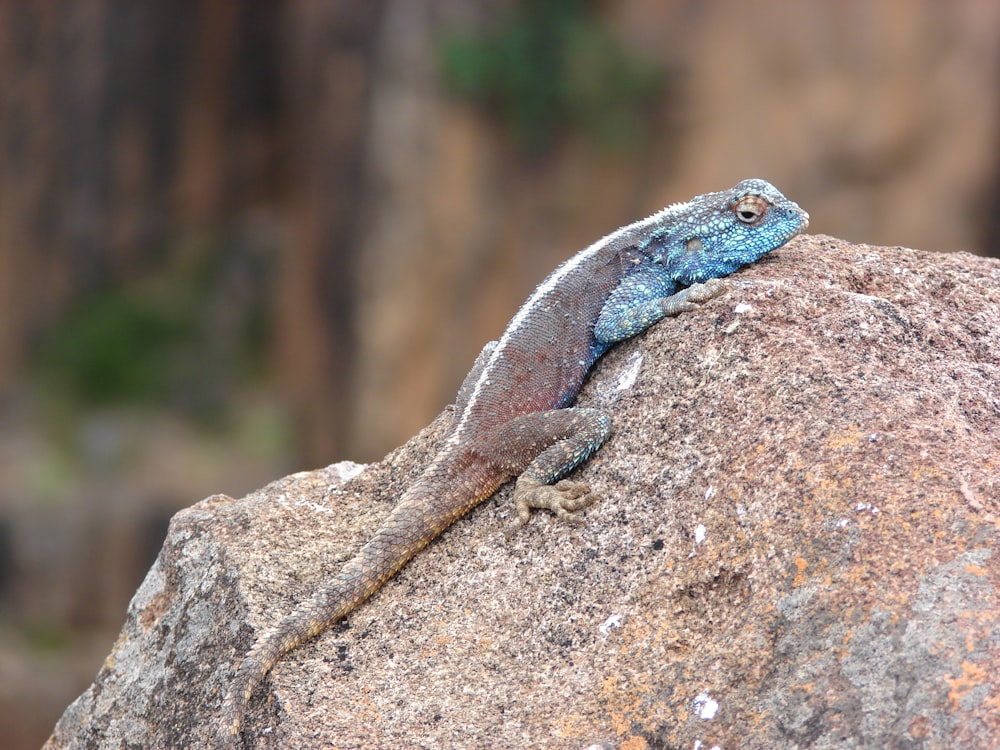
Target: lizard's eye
(750, 209)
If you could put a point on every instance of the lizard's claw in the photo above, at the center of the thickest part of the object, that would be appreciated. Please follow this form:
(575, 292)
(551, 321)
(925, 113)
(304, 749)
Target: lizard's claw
(563, 498)
(707, 290)
(688, 299)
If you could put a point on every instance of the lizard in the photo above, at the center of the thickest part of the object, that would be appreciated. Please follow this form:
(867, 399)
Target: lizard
(513, 415)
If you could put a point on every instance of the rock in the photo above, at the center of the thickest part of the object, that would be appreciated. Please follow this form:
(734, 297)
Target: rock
(797, 548)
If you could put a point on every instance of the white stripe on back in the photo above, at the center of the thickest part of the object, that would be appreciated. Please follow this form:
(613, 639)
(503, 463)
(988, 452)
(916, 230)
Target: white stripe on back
(545, 288)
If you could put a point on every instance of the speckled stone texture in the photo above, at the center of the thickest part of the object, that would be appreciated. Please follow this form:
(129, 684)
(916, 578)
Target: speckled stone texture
(797, 548)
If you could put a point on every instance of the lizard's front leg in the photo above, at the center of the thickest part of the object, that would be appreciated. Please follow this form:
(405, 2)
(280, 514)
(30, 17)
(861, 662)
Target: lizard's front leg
(543, 447)
(642, 300)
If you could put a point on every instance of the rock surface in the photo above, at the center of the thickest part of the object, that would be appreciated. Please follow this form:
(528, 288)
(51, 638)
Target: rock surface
(797, 548)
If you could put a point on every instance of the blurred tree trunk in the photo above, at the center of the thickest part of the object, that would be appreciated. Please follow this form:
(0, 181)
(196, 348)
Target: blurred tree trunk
(123, 126)
(129, 129)
(327, 76)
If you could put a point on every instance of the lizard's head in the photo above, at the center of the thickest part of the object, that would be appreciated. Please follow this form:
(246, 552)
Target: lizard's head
(716, 233)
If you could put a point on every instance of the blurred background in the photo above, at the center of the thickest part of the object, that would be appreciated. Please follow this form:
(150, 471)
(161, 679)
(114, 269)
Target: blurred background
(243, 239)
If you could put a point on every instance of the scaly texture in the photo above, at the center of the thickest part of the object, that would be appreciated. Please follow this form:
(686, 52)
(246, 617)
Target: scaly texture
(513, 417)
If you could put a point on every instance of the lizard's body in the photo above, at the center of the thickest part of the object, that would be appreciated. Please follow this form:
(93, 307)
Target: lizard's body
(512, 414)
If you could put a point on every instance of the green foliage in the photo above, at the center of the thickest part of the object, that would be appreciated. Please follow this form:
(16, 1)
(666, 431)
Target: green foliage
(178, 338)
(45, 637)
(118, 346)
(550, 65)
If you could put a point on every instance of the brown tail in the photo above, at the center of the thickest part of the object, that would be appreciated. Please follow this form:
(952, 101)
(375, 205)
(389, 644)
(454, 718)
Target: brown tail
(416, 520)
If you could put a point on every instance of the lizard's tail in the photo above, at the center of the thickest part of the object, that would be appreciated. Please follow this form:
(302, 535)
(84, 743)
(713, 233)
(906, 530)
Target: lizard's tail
(335, 600)
(416, 520)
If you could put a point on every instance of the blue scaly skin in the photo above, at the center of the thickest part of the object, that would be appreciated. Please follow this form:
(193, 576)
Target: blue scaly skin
(512, 414)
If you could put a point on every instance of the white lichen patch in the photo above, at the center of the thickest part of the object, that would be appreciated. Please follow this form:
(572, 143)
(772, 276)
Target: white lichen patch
(705, 706)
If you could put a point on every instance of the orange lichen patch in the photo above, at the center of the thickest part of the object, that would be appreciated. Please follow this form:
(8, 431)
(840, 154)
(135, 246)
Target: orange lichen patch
(827, 490)
(629, 703)
(919, 728)
(927, 472)
(972, 677)
(800, 571)
(153, 611)
(806, 688)
(992, 705)
(573, 725)
(849, 437)
(634, 743)
(976, 570)
(637, 633)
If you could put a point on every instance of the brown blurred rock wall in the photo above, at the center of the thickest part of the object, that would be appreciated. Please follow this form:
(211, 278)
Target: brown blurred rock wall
(403, 225)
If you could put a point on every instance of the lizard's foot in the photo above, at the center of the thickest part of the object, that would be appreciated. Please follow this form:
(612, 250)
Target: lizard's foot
(688, 299)
(706, 290)
(563, 498)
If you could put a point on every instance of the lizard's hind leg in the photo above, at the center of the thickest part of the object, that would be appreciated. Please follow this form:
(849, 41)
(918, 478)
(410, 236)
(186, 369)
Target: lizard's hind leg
(543, 447)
